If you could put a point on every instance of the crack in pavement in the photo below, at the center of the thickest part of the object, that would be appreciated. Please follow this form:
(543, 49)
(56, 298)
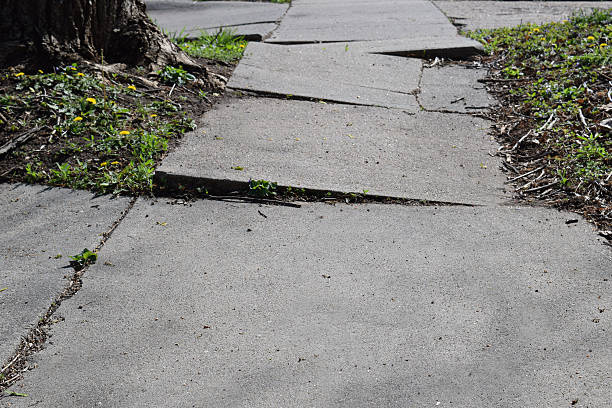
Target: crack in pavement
(278, 23)
(277, 95)
(37, 336)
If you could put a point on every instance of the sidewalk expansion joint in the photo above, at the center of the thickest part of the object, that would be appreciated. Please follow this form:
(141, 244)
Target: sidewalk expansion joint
(317, 42)
(204, 188)
(274, 95)
(277, 22)
(34, 341)
(450, 53)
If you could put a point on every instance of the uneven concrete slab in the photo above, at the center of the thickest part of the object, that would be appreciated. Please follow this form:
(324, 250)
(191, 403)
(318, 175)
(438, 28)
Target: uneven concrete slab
(433, 156)
(335, 306)
(454, 88)
(455, 46)
(471, 15)
(310, 21)
(41, 223)
(252, 19)
(329, 72)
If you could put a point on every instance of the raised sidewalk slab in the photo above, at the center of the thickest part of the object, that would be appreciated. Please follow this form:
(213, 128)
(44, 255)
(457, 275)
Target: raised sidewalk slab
(309, 21)
(334, 306)
(333, 73)
(432, 156)
(251, 19)
(41, 223)
(362, 73)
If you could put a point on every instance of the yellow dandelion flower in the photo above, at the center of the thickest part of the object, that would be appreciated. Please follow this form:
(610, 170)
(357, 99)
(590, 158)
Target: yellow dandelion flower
(103, 164)
(80, 74)
(91, 100)
(154, 115)
(73, 68)
(241, 45)
(536, 30)
(603, 45)
(132, 87)
(19, 74)
(77, 119)
(124, 132)
(115, 162)
(590, 38)
(40, 71)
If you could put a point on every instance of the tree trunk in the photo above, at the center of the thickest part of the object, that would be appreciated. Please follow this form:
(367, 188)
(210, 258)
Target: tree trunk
(49, 31)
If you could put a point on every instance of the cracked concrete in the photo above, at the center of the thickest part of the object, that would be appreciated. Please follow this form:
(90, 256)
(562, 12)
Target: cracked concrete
(431, 156)
(43, 227)
(334, 306)
(230, 304)
(254, 20)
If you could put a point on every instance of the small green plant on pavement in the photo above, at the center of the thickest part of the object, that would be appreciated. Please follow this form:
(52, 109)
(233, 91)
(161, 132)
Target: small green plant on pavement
(262, 188)
(86, 257)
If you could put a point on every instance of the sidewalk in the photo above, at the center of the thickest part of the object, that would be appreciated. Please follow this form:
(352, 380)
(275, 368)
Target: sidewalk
(463, 298)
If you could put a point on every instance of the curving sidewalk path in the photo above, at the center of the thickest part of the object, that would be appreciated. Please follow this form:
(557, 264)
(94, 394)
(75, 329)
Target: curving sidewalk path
(463, 299)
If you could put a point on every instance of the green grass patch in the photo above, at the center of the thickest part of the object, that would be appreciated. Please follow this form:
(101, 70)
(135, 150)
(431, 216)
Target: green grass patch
(554, 81)
(94, 132)
(223, 46)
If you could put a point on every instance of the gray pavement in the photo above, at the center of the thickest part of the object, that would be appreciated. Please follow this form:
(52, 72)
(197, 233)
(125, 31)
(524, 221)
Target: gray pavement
(189, 18)
(335, 306)
(430, 156)
(454, 88)
(333, 73)
(309, 21)
(471, 15)
(226, 304)
(42, 228)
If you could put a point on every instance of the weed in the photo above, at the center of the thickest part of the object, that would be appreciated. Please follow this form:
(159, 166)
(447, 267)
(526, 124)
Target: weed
(262, 188)
(559, 92)
(175, 76)
(222, 46)
(103, 137)
(86, 257)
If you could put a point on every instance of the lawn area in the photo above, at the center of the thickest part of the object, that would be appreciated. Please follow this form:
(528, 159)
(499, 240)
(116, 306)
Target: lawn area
(555, 86)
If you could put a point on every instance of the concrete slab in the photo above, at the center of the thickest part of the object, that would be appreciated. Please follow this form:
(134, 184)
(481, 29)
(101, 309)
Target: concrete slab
(455, 46)
(335, 306)
(454, 88)
(333, 73)
(471, 15)
(39, 224)
(252, 19)
(310, 21)
(433, 156)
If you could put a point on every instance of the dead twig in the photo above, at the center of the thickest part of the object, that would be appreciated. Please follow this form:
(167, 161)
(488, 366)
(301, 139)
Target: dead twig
(19, 140)
(520, 141)
(583, 120)
(541, 187)
(524, 175)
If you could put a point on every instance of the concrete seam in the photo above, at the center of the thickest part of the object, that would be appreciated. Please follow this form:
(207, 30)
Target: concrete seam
(34, 341)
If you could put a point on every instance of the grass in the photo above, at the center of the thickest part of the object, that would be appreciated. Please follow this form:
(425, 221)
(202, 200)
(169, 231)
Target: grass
(554, 84)
(223, 46)
(92, 132)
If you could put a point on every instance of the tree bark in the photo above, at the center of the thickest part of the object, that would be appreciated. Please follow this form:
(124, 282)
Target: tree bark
(113, 31)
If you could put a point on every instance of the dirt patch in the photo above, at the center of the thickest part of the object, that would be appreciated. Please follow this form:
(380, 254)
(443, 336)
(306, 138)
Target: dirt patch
(80, 127)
